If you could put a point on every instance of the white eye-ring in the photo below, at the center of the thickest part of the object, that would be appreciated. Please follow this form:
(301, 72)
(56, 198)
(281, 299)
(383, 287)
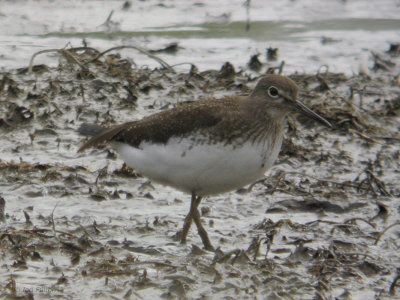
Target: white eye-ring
(273, 92)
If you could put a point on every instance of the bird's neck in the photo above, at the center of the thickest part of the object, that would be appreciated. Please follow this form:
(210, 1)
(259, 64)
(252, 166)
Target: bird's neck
(264, 111)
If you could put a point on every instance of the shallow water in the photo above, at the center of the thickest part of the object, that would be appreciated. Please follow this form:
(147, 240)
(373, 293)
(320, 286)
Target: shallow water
(350, 28)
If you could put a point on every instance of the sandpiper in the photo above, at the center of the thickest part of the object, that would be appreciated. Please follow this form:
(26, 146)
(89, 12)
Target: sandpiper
(207, 147)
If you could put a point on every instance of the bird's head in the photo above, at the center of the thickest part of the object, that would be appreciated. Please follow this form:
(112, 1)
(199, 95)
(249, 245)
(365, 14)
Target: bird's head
(279, 95)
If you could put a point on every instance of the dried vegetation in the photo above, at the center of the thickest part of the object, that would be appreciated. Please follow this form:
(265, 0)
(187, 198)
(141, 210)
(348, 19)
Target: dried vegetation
(330, 229)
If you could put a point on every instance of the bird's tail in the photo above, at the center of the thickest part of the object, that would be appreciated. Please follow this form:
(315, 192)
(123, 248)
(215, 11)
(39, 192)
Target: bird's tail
(90, 129)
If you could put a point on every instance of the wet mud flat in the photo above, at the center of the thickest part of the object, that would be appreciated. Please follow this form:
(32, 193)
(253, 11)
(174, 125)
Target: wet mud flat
(322, 224)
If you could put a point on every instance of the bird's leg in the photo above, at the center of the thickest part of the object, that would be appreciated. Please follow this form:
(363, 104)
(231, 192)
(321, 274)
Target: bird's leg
(202, 232)
(188, 219)
(195, 216)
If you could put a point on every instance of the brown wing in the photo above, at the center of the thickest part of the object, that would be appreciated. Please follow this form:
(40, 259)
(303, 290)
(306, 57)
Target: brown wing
(103, 137)
(159, 127)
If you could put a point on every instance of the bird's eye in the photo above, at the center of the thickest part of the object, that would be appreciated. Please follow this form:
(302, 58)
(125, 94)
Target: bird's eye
(273, 92)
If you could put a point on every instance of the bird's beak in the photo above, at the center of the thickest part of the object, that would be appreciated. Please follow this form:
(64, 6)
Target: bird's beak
(301, 107)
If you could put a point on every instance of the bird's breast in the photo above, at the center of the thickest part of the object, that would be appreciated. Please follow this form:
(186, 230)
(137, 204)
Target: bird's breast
(201, 165)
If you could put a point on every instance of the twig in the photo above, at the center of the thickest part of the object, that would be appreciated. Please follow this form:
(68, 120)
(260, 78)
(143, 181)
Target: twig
(65, 52)
(257, 249)
(144, 51)
(370, 187)
(380, 184)
(248, 190)
(247, 4)
(349, 184)
(357, 254)
(384, 231)
(86, 232)
(52, 221)
(360, 219)
(82, 92)
(389, 138)
(363, 135)
(37, 231)
(392, 290)
(2, 206)
(76, 49)
(68, 54)
(184, 63)
(322, 221)
(341, 226)
(320, 70)
(36, 54)
(280, 70)
(109, 17)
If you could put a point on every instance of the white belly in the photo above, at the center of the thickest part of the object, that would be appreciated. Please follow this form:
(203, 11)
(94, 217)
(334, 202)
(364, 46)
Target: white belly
(203, 169)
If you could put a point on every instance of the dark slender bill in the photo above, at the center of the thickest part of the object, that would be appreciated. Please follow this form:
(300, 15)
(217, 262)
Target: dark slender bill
(309, 113)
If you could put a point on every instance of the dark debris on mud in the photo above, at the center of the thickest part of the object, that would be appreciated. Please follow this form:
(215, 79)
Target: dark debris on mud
(329, 226)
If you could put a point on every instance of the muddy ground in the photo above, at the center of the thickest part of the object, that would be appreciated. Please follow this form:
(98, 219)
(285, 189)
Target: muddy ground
(323, 224)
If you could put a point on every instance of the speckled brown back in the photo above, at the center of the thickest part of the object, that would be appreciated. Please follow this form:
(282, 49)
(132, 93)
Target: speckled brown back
(179, 121)
(229, 120)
